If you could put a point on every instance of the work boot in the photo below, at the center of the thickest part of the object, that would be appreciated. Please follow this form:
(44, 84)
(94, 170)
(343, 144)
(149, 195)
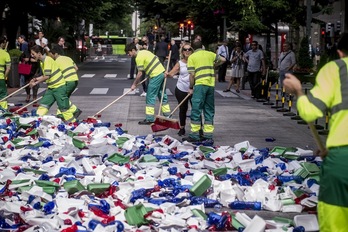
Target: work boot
(145, 122)
(190, 140)
(77, 113)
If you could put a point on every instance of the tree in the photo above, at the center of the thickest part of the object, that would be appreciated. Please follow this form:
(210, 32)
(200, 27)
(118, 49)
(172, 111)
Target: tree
(305, 61)
(69, 12)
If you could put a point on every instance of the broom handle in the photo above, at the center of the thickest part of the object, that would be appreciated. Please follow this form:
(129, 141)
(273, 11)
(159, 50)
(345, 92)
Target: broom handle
(177, 107)
(37, 99)
(316, 137)
(6, 46)
(164, 84)
(130, 90)
(18, 90)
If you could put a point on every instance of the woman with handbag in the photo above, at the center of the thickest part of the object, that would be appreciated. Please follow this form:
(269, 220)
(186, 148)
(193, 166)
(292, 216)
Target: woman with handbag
(35, 71)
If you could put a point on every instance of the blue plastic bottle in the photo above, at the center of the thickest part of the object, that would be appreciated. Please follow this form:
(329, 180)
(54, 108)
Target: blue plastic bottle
(245, 205)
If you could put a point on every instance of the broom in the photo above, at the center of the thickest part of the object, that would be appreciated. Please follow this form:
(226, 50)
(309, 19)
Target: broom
(161, 101)
(18, 90)
(162, 123)
(114, 101)
(322, 150)
(24, 108)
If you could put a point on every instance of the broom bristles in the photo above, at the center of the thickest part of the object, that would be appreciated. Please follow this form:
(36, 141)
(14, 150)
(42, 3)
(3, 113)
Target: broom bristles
(167, 122)
(157, 128)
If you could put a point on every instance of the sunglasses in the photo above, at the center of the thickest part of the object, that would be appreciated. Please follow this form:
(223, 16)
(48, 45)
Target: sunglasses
(187, 49)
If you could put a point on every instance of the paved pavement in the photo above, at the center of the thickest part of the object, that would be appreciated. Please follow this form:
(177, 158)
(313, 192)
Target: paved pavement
(238, 118)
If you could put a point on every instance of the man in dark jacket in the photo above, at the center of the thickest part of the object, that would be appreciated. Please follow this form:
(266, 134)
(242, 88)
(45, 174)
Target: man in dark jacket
(175, 54)
(161, 50)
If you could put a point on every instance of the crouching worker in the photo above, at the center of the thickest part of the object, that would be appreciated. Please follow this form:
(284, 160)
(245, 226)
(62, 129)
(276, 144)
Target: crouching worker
(56, 87)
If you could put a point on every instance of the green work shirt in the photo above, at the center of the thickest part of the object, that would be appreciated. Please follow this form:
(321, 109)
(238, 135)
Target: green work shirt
(50, 68)
(5, 61)
(201, 63)
(329, 92)
(67, 67)
(148, 62)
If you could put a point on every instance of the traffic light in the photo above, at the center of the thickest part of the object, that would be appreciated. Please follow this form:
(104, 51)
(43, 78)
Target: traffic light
(322, 32)
(189, 22)
(338, 26)
(181, 28)
(328, 27)
(155, 27)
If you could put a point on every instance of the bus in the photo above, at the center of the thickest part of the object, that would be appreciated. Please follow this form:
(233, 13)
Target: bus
(118, 44)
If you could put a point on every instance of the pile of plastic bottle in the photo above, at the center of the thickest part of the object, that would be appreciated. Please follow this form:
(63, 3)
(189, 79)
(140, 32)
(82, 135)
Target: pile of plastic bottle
(88, 176)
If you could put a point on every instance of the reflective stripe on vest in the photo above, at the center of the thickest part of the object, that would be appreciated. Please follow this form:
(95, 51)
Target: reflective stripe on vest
(344, 87)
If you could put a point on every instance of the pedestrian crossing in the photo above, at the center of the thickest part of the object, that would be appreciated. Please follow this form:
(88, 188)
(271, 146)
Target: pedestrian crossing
(111, 76)
(106, 91)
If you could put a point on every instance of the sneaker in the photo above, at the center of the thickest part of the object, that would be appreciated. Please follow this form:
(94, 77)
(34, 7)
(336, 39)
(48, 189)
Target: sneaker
(238, 91)
(226, 90)
(143, 94)
(190, 140)
(181, 132)
(145, 122)
(77, 113)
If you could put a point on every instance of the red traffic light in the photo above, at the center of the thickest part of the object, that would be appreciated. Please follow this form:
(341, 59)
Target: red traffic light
(322, 31)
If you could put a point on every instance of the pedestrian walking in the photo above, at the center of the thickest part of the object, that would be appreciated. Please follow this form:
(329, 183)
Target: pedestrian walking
(161, 50)
(56, 87)
(223, 51)
(200, 65)
(25, 56)
(237, 68)
(183, 85)
(329, 93)
(286, 63)
(149, 63)
(255, 67)
(5, 67)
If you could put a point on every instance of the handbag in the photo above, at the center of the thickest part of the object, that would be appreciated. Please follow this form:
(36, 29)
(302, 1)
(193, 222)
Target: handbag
(24, 69)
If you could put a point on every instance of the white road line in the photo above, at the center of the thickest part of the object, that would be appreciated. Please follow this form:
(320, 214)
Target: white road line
(110, 76)
(87, 75)
(130, 93)
(226, 94)
(99, 91)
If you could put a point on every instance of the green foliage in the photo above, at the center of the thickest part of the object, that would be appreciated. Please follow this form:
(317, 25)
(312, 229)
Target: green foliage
(15, 53)
(304, 60)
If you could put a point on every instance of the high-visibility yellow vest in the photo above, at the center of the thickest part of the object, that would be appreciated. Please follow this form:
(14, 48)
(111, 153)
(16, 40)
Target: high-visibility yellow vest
(5, 60)
(67, 67)
(201, 63)
(50, 68)
(148, 62)
(330, 92)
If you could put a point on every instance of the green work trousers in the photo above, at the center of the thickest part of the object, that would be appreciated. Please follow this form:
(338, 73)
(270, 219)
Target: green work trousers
(202, 101)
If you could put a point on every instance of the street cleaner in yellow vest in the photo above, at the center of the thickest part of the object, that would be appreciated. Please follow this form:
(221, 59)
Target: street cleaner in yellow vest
(330, 92)
(69, 70)
(149, 63)
(5, 67)
(56, 87)
(200, 65)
